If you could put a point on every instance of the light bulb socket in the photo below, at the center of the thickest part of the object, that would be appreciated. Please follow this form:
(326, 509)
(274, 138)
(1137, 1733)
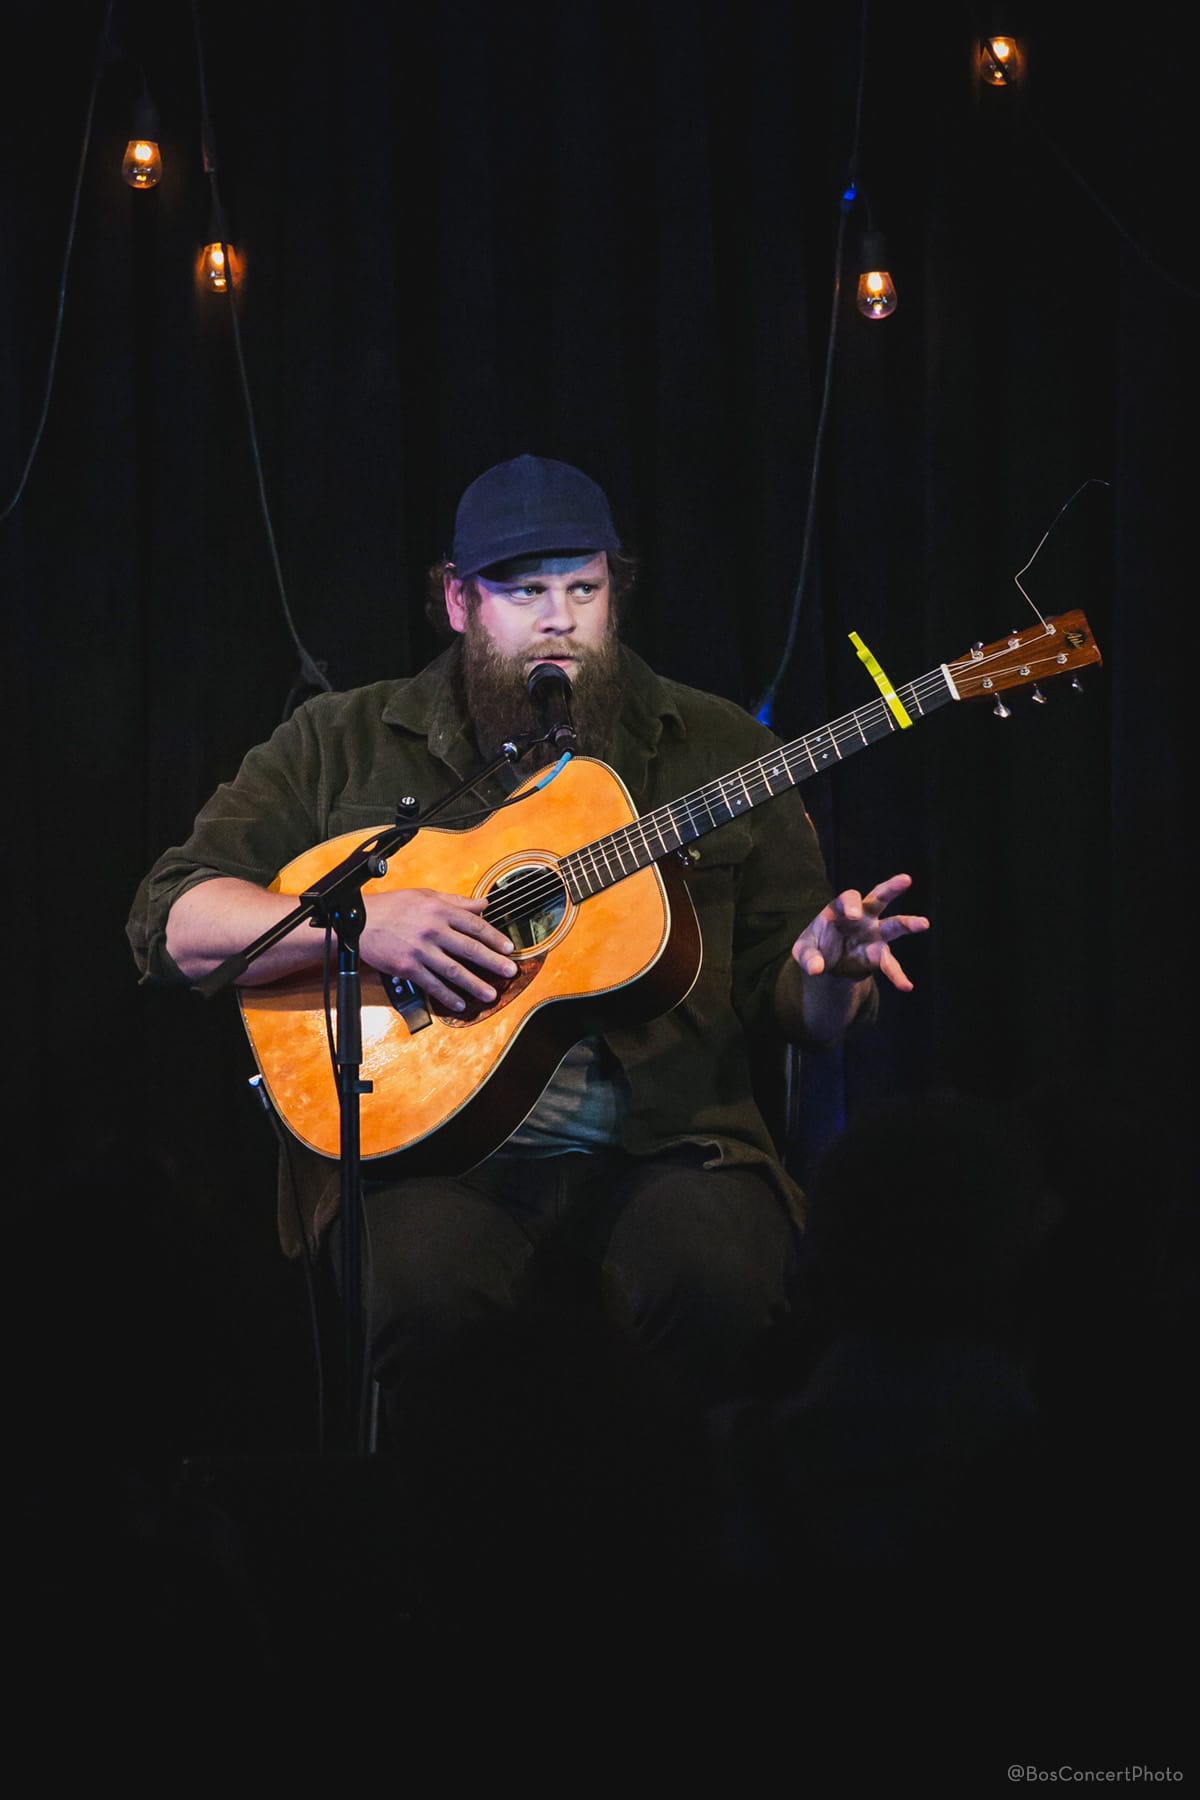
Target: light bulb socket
(218, 225)
(873, 253)
(145, 119)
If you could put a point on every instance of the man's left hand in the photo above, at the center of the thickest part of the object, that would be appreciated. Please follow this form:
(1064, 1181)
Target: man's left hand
(851, 937)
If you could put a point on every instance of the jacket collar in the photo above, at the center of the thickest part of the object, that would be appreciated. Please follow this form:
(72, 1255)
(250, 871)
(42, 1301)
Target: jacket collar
(427, 706)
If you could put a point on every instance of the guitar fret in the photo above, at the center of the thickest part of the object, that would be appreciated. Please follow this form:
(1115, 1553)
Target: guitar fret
(881, 722)
(692, 829)
(644, 855)
(826, 749)
(572, 875)
(595, 881)
(655, 819)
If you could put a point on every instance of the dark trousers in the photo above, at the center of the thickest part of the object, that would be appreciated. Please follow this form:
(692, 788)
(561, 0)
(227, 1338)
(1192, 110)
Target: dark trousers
(690, 1264)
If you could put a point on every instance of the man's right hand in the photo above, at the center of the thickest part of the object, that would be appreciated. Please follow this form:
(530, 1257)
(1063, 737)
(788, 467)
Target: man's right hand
(440, 942)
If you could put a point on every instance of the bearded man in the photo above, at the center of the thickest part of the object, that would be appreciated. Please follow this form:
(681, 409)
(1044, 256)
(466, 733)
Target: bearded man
(645, 1166)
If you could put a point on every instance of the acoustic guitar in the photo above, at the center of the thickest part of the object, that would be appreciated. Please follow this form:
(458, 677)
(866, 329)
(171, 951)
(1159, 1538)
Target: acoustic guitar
(594, 900)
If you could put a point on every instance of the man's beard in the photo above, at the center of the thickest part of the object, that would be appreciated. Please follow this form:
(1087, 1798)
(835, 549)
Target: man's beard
(495, 687)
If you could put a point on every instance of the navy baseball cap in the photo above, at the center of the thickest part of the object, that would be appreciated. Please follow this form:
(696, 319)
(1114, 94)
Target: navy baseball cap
(531, 505)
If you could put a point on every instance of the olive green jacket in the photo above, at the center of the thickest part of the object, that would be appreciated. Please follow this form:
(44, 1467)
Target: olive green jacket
(343, 760)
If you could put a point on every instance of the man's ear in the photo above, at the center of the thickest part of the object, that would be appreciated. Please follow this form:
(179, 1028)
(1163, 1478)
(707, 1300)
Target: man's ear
(456, 605)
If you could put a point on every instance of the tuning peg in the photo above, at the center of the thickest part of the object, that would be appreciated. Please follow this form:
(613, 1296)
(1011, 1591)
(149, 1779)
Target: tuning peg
(1077, 684)
(1001, 711)
(1038, 697)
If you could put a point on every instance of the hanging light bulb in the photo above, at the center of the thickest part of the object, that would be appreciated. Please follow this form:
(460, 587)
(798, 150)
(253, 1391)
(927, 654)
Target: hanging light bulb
(1001, 63)
(218, 259)
(876, 297)
(216, 266)
(142, 166)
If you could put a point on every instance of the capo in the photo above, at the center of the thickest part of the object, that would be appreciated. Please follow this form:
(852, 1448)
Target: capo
(881, 682)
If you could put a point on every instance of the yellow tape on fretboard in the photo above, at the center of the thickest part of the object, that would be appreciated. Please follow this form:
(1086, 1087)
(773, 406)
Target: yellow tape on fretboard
(881, 681)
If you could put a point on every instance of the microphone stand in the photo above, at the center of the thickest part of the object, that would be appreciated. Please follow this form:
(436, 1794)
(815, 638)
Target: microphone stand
(336, 902)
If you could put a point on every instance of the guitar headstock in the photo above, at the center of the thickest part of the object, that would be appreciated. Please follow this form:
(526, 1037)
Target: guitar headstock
(1026, 658)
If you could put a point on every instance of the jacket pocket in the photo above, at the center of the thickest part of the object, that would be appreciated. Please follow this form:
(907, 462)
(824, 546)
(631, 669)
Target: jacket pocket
(714, 876)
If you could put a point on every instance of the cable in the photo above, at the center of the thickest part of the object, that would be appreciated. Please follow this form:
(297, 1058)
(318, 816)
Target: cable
(761, 707)
(101, 54)
(307, 1255)
(1091, 481)
(1122, 230)
(312, 673)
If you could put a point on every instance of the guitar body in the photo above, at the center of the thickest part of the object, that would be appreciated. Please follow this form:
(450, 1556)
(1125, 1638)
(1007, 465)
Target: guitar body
(448, 1089)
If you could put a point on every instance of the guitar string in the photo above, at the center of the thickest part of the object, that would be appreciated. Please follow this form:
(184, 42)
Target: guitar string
(543, 886)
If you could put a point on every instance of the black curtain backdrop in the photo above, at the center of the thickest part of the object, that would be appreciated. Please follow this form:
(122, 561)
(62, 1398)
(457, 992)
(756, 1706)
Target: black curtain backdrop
(608, 233)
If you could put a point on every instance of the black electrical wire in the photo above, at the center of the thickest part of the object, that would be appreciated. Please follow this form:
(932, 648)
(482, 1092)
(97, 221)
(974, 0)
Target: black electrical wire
(52, 361)
(761, 707)
(1102, 206)
(312, 673)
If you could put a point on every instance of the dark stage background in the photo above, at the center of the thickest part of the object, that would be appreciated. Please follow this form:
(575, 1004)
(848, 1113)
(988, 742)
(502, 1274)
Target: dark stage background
(609, 233)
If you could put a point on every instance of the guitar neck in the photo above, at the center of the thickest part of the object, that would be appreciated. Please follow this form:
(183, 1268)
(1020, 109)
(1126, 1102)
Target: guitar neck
(656, 834)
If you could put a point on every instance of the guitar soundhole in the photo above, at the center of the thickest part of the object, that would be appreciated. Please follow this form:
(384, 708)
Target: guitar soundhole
(528, 903)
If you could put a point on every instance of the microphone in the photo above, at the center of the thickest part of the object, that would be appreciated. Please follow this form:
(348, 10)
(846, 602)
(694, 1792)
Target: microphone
(550, 691)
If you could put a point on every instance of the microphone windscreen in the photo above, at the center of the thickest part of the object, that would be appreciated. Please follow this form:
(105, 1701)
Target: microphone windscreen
(546, 679)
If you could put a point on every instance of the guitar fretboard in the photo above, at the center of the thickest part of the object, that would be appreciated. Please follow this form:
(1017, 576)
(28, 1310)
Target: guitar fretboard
(610, 859)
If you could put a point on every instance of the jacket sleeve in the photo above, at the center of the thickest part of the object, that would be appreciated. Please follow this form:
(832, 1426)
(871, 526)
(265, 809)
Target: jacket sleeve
(782, 884)
(250, 828)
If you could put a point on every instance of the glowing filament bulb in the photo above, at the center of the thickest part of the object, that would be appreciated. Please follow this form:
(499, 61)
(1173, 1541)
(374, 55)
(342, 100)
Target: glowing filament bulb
(142, 167)
(216, 267)
(876, 296)
(1000, 61)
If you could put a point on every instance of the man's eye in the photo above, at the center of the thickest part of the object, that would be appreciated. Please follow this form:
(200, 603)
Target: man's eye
(585, 589)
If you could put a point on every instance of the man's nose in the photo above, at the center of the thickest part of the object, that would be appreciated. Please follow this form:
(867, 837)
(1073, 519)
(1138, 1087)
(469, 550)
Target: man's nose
(557, 614)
